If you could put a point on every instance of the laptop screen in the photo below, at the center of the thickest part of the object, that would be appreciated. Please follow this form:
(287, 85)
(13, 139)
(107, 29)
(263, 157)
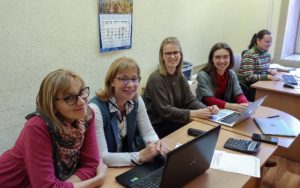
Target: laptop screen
(190, 160)
(182, 164)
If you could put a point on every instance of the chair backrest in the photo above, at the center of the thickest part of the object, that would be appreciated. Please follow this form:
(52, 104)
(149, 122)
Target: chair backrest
(193, 85)
(237, 62)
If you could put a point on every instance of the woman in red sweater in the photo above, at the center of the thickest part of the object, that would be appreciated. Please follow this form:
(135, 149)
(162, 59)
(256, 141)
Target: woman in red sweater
(217, 83)
(57, 146)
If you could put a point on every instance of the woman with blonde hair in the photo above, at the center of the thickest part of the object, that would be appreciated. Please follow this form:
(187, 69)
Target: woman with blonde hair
(168, 98)
(124, 132)
(57, 146)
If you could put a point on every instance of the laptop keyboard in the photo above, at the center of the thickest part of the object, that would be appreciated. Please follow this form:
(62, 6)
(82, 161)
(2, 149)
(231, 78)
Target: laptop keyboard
(230, 118)
(152, 180)
(290, 79)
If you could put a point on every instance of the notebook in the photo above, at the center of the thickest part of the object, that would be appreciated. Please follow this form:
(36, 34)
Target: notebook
(289, 79)
(274, 126)
(230, 118)
(181, 166)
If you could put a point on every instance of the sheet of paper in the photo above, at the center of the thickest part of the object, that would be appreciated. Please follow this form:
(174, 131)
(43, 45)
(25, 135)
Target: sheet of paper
(275, 66)
(297, 89)
(296, 73)
(281, 68)
(242, 164)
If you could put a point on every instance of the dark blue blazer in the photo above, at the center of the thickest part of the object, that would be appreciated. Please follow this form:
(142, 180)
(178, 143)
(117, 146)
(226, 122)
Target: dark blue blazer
(111, 130)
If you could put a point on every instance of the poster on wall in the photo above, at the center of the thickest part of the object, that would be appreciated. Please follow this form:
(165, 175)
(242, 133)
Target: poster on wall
(115, 24)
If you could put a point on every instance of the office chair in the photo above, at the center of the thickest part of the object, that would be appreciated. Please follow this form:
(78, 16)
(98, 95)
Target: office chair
(237, 62)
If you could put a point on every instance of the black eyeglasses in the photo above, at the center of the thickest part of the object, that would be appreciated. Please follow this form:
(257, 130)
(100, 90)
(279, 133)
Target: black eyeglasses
(125, 80)
(72, 99)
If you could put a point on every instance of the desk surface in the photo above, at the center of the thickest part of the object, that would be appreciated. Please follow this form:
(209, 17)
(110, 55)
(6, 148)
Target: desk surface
(211, 178)
(275, 86)
(248, 126)
(279, 97)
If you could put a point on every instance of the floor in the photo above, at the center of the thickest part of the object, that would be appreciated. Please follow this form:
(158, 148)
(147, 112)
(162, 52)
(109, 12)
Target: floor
(286, 174)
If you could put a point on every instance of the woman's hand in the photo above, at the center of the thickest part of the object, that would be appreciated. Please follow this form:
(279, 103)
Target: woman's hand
(272, 71)
(101, 173)
(96, 181)
(149, 152)
(273, 78)
(236, 107)
(201, 113)
(213, 109)
(162, 148)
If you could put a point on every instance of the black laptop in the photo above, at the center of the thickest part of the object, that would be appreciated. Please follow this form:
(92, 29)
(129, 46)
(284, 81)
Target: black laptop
(181, 166)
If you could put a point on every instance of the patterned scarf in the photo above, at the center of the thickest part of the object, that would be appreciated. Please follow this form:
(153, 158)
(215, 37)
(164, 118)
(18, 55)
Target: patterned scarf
(66, 145)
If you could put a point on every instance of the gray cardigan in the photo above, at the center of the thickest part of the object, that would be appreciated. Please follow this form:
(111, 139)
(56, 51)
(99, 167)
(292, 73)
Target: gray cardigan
(205, 87)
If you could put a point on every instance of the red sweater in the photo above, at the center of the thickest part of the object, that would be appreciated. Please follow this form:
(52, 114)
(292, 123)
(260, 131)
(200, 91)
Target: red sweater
(29, 163)
(221, 82)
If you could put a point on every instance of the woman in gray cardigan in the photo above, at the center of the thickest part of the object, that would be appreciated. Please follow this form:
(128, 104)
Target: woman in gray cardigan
(217, 83)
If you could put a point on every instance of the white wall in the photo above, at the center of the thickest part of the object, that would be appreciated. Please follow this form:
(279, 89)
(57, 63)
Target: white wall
(37, 37)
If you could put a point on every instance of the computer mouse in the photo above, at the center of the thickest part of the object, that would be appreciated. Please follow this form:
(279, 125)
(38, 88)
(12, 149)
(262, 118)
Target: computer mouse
(288, 86)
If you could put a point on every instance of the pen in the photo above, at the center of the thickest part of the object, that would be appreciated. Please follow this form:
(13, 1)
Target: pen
(273, 116)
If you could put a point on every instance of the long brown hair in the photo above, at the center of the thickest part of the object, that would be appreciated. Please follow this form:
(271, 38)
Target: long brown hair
(210, 68)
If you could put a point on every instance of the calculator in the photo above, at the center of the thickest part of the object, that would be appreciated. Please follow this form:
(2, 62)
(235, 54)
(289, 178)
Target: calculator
(245, 146)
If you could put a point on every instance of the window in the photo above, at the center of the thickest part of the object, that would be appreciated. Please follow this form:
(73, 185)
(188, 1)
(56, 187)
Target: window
(291, 29)
(297, 48)
(287, 50)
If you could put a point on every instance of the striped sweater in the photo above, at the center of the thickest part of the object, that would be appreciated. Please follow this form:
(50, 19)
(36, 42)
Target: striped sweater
(254, 66)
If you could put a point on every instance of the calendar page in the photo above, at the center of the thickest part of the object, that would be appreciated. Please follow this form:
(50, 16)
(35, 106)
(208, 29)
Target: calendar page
(115, 24)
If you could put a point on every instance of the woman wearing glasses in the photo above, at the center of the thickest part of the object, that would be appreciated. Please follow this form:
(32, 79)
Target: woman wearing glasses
(123, 127)
(57, 146)
(217, 83)
(169, 101)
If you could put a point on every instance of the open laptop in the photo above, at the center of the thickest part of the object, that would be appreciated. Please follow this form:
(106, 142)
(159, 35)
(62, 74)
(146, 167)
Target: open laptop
(230, 118)
(181, 166)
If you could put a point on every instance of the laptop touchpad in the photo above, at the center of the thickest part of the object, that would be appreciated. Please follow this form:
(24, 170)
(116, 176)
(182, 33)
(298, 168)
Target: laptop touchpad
(222, 113)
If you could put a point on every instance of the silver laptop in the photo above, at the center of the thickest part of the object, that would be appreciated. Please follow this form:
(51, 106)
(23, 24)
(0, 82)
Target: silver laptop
(230, 118)
(274, 126)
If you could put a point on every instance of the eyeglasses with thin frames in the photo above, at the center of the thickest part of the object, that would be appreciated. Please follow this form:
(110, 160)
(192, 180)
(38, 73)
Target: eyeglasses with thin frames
(174, 53)
(72, 99)
(125, 80)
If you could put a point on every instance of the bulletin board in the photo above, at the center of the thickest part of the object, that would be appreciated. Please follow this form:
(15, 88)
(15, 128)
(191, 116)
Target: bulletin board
(115, 24)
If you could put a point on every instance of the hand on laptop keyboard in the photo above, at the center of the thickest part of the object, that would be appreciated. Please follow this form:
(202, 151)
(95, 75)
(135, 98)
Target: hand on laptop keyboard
(213, 109)
(152, 150)
(273, 77)
(236, 107)
(273, 71)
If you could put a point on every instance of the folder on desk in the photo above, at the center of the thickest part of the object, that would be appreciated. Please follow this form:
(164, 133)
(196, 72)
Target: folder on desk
(274, 126)
(281, 68)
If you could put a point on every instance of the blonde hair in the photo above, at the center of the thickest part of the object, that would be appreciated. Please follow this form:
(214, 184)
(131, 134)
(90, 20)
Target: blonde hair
(56, 82)
(162, 66)
(119, 65)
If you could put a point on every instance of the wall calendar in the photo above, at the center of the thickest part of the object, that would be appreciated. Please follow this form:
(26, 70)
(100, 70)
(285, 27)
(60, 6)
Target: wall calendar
(115, 24)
